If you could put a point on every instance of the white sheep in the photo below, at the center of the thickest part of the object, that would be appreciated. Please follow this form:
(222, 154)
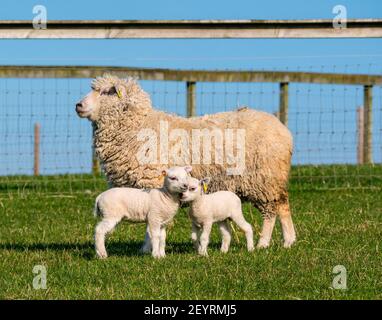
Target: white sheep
(205, 209)
(157, 207)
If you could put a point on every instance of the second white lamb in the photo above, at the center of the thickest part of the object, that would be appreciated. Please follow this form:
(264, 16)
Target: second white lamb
(205, 209)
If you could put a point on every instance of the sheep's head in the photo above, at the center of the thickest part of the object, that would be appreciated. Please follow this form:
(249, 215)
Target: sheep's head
(111, 94)
(195, 189)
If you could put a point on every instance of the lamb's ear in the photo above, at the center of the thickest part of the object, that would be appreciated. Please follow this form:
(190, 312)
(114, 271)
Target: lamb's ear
(206, 180)
(188, 169)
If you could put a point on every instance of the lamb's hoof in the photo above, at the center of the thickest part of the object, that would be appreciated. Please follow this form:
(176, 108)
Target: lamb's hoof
(225, 250)
(262, 245)
(157, 256)
(203, 253)
(250, 249)
(101, 255)
(289, 243)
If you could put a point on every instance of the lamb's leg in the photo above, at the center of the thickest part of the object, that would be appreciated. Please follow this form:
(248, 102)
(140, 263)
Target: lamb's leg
(225, 231)
(238, 218)
(204, 238)
(162, 245)
(155, 232)
(102, 229)
(195, 235)
(147, 246)
(287, 226)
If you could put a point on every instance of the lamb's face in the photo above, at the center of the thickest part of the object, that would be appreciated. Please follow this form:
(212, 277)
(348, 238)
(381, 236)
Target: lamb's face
(193, 191)
(176, 179)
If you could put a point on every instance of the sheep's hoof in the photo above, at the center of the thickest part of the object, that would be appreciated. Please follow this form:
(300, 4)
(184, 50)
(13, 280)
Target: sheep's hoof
(250, 249)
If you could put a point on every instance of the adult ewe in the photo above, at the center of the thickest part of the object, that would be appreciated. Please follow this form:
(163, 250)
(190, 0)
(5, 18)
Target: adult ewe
(127, 130)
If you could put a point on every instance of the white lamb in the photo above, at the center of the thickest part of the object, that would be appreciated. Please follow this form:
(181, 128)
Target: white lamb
(205, 209)
(157, 207)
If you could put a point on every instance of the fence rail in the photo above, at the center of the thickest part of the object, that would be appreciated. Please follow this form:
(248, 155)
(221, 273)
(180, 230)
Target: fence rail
(174, 29)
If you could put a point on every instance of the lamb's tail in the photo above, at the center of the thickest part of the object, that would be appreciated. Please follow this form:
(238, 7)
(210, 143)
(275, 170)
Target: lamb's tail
(96, 211)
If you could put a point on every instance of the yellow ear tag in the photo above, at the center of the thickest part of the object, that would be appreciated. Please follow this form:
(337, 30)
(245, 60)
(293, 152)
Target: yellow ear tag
(205, 187)
(119, 94)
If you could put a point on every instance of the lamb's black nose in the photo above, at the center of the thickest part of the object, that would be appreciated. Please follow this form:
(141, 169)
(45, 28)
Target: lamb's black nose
(79, 105)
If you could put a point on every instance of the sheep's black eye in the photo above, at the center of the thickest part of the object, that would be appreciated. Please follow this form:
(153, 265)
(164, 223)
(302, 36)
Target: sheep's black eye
(110, 92)
(192, 189)
(173, 178)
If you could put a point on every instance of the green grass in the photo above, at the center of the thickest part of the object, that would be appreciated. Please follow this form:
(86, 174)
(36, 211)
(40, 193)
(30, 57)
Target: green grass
(48, 221)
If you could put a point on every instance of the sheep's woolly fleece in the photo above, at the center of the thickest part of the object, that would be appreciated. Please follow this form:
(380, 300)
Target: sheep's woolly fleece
(268, 145)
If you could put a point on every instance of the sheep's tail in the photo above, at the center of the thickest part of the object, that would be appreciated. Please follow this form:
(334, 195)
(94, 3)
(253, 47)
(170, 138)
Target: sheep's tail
(96, 211)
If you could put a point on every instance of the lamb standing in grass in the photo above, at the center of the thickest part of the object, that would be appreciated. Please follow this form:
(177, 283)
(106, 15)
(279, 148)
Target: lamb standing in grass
(157, 207)
(205, 209)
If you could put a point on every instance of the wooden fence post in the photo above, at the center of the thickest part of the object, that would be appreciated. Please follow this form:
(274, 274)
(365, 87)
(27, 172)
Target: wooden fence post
(360, 135)
(95, 162)
(367, 123)
(36, 163)
(191, 99)
(284, 102)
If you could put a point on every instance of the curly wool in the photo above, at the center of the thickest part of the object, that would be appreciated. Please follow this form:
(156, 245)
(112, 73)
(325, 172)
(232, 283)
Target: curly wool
(268, 146)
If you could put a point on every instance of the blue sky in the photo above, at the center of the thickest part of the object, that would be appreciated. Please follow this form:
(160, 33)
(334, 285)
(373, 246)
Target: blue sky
(322, 137)
(260, 53)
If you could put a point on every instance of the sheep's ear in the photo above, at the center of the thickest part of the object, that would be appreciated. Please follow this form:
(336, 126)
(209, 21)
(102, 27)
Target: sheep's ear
(120, 91)
(188, 169)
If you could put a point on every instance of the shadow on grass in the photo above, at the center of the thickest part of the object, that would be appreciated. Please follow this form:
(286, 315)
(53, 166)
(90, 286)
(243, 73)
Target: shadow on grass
(86, 250)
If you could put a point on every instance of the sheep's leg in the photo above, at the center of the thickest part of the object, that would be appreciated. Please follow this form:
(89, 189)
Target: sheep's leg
(225, 231)
(195, 235)
(147, 246)
(238, 218)
(266, 232)
(101, 230)
(162, 245)
(155, 232)
(289, 234)
(204, 238)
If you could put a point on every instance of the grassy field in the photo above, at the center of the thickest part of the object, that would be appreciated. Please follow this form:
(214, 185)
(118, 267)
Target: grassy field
(48, 221)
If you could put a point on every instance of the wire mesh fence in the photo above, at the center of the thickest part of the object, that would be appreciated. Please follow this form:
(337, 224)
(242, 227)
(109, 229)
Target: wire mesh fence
(323, 119)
